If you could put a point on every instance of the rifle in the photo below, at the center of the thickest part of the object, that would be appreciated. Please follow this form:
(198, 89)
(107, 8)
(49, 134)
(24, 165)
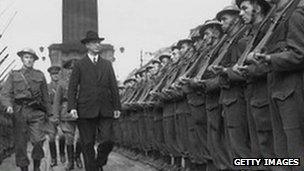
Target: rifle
(3, 50)
(4, 71)
(250, 45)
(196, 62)
(207, 59)
(228, 45)
(6, 56)
(275, 22)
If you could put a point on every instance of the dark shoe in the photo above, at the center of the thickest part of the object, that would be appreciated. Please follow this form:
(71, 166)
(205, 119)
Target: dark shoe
(62, 158)
(53, 162)
(79, 162)
(24, 168)
(36, 165)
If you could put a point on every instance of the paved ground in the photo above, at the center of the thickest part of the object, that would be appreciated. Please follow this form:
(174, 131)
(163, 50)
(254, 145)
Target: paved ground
(116, 162)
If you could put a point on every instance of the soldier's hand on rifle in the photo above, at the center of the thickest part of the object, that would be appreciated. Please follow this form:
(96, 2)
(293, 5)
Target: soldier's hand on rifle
(263, 57)
(219, 69)
(201, 83)
(116, 114)
(184, 80)
(10, 110)
(210, 68)
(242, 70)
(257, 58)
(74, 113)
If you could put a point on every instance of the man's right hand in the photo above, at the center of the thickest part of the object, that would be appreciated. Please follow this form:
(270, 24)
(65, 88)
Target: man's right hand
(10, 110)
(74, 113)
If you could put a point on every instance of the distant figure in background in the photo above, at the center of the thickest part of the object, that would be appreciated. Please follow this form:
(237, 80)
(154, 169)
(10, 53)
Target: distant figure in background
(93, 98)
(25, 96)
(67, 123)
(54, 120)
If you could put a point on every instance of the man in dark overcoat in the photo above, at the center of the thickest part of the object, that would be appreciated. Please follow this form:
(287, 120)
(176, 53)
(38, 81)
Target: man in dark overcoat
(93, 98)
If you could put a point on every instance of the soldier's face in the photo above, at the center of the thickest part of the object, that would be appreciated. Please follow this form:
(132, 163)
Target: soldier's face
(55, 77)
(184, 48)
(28, 60)
(148, 74)
(226, 21)
(247, 12)
(155, 68)
(198, 43)
(208, 36)
(175, 55)
(93, 46)
(164, 61)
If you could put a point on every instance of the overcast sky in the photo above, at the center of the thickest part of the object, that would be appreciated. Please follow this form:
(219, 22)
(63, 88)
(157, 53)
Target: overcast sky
(136, 25)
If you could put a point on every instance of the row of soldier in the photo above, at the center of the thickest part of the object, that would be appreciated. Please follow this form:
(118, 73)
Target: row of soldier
(234, 90)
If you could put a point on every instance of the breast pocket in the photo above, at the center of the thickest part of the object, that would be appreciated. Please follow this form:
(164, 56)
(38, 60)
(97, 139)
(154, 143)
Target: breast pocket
(260, 113)
(20, 88)
(36, 84)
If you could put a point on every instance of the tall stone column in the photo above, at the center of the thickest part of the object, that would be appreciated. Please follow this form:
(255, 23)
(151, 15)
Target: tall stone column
(78, 17)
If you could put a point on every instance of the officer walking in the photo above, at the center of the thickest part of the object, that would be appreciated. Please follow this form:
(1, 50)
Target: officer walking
(25, 96)
(67, 123)
(54, 121)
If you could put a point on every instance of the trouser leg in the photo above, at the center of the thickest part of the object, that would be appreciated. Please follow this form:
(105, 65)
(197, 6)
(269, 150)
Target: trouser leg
(87, 130)
(105, 129)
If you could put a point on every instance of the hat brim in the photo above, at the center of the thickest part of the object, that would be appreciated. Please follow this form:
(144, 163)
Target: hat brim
(179, 43)
(223, 12)
(155, 61)
(20, 54)
(174, 47)
(261, 2)
(196, 38)
(164, 56)
(57, 68)
(205, 27)
(87, 40)
(68, 64)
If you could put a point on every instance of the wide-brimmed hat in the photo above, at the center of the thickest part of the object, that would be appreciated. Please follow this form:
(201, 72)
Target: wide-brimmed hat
(179, 43)
(28, 51)
(54, 69)
(69, 64)
(91, 36)
(210, 24)
(161, 57)
(231, 9)
(263, 3)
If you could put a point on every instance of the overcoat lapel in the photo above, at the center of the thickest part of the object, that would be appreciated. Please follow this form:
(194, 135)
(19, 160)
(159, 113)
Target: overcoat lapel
(91, 68)
(101, 68)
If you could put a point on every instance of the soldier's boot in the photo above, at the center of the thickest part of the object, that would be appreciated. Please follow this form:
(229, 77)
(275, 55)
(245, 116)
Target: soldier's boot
(70, 150)
(37, 165)
(52, 146)
(24, 168)
(77, 155)
(61, 150)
